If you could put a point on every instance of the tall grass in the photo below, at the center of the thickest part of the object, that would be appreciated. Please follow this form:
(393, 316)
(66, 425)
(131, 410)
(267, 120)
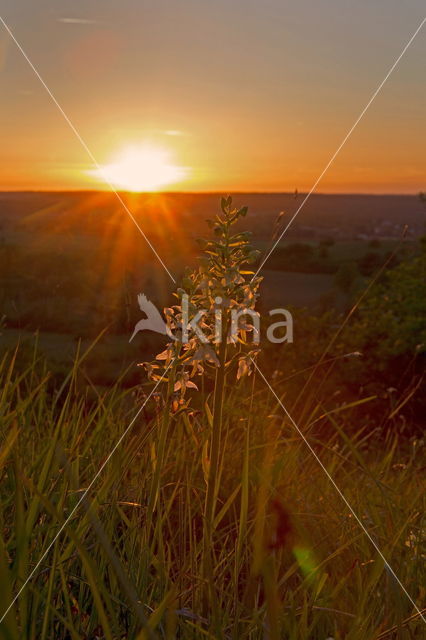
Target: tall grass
(212, 520)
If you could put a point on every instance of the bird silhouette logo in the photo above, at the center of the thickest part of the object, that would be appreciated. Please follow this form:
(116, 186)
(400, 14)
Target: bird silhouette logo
(153, 321)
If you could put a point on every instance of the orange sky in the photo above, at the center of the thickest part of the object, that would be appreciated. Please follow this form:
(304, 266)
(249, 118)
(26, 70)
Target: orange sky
(243, 95)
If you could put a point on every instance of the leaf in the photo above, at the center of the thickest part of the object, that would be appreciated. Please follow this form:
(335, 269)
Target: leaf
(243, 368)
(205, 461)
(209, 415)
(164, 355)
(157, 615)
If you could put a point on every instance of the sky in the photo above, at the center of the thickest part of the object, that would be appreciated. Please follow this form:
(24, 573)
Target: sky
(249, 95)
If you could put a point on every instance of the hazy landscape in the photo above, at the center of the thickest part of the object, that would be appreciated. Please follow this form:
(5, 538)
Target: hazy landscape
(73, 263)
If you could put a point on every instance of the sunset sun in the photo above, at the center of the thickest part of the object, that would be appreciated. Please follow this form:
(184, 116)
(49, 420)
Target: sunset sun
(141, 168)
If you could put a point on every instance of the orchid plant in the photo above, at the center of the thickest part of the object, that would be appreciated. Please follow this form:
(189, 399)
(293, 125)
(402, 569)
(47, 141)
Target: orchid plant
(211, 344)
(218, 290)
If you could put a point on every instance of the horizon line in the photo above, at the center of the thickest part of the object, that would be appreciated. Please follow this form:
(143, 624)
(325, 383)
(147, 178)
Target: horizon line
(219, 192)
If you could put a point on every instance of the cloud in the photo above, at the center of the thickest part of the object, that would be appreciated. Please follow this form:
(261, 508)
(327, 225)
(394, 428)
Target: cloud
(76, 21)
(173, 132)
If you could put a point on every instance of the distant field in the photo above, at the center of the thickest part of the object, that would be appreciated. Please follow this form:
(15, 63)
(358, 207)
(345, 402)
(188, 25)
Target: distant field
(72, 264)
(107, 359)
(342, 216)
(282, 289)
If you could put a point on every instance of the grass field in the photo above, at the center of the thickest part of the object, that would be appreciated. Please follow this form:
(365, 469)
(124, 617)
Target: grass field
(289, 558)
(201, 501)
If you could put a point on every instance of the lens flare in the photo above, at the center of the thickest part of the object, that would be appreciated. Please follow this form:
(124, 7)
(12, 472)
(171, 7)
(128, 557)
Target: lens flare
(306, 560)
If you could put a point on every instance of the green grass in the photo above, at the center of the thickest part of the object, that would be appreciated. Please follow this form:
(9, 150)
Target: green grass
(128, 559)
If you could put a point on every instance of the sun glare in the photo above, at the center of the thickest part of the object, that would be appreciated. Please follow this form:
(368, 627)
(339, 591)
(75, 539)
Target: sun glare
(142, 168)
